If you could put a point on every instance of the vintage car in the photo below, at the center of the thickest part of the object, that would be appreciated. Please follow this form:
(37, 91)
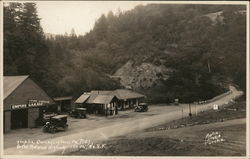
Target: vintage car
(47, 116)
(142, 107)
(176, 101)
(78, 113)
(58, 122)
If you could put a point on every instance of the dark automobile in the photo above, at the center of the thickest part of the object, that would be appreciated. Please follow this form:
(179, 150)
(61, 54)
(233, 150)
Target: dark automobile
(58, 122)
(78, 113)
(47, 116)
(176, 101)
(142, 107)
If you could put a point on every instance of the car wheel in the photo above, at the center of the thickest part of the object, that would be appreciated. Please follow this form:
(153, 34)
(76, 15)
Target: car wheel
(53, 130)
(44, 129)
(66, 127)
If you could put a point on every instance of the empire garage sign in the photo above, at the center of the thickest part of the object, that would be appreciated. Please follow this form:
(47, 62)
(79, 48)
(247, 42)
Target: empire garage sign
(31, 103)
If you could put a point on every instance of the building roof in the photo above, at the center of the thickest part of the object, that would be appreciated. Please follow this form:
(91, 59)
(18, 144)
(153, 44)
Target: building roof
(62, 98)
(82, 98)
(127, 94)
(91, 98)
(95, 98)
(95, 93)
(10, 83)
(119, 93)
(103, 99)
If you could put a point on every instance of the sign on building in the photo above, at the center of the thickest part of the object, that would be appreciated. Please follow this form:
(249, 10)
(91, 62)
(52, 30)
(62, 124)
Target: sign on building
(31, 103)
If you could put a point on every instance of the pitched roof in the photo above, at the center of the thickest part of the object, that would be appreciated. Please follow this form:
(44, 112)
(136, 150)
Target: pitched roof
(91, 98)
(103, 99)
(82, 98)
(127, 94)
(95, 98)
(119, 93)
(95, 93)
(10, 83)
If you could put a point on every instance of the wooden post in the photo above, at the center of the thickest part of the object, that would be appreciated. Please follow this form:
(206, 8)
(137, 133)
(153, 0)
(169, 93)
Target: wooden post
(189, 108)
(182, 113)
(209, 67)
(196, 109)
(190, 113)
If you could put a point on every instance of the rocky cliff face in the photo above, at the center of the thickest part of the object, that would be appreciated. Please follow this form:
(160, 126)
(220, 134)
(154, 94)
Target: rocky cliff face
(140, 77)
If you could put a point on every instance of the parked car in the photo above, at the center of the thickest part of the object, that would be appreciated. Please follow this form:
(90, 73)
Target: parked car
(142, 107)
(58, 122)
(176, 101)
(47, 116)
(78, 113)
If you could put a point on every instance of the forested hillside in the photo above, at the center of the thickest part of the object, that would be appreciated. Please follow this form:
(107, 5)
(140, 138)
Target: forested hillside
(194, 51)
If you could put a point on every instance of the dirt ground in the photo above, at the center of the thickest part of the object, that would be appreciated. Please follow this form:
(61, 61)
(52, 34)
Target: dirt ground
(98, 128)
(81, 125)
(231, 111)
(185, 137)
(188, 141)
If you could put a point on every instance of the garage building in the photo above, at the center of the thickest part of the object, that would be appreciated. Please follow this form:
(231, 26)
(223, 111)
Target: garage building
(24, 102)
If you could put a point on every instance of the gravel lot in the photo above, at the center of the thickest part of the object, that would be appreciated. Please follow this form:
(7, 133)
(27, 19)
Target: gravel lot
(80, 125)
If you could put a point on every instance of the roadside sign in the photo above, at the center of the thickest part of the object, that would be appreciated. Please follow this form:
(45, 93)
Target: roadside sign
(215, 107)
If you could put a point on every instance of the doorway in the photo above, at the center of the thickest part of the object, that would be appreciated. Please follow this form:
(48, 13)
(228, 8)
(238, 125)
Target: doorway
(65, 105)
(19, 118)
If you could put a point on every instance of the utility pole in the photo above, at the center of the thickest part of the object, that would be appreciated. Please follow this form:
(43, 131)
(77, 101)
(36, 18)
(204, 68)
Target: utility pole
(190, 113)
(182, 113)
(209, 67)
(196, 109)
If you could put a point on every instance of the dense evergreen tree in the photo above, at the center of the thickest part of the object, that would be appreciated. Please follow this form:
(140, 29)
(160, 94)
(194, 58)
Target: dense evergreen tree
(24, 44)
(205, 53)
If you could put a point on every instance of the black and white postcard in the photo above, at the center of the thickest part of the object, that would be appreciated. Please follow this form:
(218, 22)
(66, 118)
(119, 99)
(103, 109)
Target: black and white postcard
(124, 79)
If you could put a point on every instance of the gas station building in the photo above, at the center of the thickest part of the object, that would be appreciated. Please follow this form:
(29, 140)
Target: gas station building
(24, 102)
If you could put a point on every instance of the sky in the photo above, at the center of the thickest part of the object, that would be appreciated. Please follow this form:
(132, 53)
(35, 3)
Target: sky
(61, 17)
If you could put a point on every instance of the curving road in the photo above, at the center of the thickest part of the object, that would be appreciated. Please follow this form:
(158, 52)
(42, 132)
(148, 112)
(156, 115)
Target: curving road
(120, 127)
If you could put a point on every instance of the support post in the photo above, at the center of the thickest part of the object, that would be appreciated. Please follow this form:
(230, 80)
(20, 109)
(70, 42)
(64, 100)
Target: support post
(181, 112)
(190, 113)
(196, 109)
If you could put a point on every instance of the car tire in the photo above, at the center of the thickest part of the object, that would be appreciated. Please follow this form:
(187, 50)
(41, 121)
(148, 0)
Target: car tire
(53, 130)
(44, 129)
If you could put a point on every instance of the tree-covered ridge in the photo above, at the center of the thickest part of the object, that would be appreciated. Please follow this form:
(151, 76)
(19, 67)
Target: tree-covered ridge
(206, 54)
